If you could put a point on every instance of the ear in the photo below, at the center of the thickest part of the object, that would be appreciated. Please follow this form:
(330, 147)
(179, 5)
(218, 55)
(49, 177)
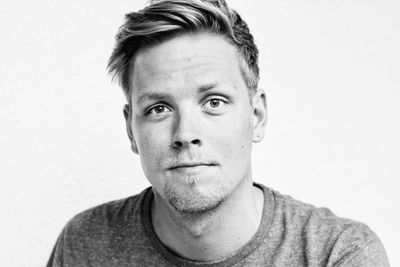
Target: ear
(259, 101)
(128, 120)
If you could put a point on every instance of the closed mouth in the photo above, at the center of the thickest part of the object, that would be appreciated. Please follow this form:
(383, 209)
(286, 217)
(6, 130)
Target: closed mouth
(191, 165)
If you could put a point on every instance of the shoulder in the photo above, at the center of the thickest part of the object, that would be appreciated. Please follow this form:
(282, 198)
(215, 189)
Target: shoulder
(326, 237)
(107, 216)
(103, 234)
(316, 220)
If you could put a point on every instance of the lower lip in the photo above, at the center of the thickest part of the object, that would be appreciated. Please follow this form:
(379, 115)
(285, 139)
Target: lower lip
(193, 169)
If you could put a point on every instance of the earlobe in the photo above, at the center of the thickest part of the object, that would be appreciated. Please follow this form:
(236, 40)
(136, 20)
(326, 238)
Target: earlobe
(128, 121)
(259, 102)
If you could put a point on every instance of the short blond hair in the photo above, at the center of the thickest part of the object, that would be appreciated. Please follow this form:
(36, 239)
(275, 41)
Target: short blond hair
(165, 19)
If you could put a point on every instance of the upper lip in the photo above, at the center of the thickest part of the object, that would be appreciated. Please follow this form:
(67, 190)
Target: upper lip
(190, 164)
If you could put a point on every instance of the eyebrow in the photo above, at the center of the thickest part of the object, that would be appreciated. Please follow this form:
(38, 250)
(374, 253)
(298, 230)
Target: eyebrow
(206, 87)
(151, 95)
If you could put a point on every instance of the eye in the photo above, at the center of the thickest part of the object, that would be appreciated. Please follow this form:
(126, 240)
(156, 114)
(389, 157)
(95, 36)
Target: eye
(158, 109)
(215, 105)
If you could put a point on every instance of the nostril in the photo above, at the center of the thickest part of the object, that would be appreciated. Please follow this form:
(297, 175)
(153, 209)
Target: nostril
(177, 144)
(181, 144)
(196, 142)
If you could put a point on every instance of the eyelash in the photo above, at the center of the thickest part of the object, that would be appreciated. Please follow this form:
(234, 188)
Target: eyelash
(220, 99)
(149, 110)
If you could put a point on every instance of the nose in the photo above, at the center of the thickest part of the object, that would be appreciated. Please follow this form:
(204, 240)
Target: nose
(186, 131)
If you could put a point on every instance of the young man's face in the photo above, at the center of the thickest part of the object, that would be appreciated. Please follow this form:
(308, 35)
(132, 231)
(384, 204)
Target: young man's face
(192, 122)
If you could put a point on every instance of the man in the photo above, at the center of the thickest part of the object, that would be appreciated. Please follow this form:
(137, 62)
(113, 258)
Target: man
(189, 71)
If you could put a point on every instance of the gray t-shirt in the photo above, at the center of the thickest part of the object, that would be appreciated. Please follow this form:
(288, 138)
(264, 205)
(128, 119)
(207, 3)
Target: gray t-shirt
(291, 233)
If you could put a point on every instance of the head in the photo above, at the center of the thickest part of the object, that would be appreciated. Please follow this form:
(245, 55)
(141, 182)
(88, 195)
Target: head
(189, 71)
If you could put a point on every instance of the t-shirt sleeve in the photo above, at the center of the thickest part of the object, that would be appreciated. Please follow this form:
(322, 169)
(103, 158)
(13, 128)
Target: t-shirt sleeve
(359, 246)
(56, 256)
(372, 254)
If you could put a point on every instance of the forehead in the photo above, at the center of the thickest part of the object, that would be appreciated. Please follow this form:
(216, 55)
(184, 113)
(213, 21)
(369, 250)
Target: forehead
(186, 59)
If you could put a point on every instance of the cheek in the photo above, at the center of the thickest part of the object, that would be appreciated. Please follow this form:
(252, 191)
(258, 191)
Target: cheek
(234, 139)
(147, 136)
(150, 147)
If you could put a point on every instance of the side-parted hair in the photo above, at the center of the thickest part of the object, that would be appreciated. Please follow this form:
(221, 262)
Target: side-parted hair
(165, 19)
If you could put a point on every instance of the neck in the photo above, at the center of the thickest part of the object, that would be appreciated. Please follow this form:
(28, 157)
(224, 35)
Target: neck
(214, 234)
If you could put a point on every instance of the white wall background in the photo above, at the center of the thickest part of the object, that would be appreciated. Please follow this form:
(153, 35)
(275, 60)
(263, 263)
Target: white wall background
(331, 70)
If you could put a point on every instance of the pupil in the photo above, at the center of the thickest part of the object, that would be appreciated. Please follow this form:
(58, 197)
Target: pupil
(159, 109)
(214, 103)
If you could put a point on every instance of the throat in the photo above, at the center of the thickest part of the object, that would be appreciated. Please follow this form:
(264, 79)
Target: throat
(212, 235)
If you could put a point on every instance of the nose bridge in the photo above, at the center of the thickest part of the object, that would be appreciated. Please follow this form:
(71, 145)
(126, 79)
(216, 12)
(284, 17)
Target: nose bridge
(186, 126)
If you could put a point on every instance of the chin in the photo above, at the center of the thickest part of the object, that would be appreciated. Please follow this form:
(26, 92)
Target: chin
(191, 200)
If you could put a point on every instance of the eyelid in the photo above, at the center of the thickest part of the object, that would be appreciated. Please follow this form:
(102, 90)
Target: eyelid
(147, 110)
(215, 96)
(224, 102)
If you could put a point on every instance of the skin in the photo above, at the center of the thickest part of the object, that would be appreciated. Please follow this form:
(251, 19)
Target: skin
(192, 121)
